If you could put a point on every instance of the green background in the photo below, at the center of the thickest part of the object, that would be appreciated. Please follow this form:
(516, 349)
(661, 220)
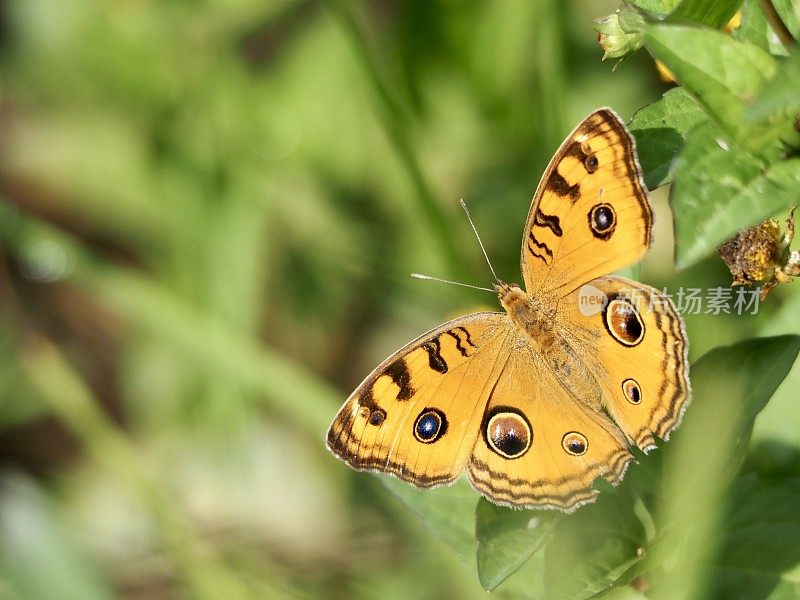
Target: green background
(209, 212)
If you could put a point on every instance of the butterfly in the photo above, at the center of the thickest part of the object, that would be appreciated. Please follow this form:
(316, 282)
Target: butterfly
(537, 402)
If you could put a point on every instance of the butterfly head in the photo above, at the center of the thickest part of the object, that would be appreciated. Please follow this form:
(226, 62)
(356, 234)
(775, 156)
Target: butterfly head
(528, 313)
(510, 295)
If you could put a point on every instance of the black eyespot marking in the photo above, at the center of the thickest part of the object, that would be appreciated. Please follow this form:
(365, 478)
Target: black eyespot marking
(575, 443)
(431, 425)
(377, 417)
(508, 433)
(591, 163)
(632, 391)
(602, 221)
(623, 322)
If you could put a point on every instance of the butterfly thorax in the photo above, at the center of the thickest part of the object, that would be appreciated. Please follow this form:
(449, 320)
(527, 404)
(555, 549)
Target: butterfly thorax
(532, 316)
(539, 322)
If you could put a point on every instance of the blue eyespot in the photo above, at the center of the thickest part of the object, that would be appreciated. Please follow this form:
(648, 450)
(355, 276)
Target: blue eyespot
(377, 417)
(430, 425)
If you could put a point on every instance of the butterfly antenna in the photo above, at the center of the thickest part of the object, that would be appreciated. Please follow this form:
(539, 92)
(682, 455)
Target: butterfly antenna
(429, 278)
(480, 243)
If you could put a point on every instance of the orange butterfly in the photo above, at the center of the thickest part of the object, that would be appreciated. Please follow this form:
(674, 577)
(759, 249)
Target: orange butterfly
(538, 401)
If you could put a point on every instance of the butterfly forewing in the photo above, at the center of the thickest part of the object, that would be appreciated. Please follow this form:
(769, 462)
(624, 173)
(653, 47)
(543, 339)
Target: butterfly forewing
(590, 215)
(416, 416)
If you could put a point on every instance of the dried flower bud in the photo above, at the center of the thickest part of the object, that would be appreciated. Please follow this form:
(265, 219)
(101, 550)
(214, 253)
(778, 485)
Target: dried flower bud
(753, 254)
(760, 255)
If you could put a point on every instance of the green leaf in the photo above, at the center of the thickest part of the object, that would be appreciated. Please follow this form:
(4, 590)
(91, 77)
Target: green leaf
(789, 14)
(739, 379)
(594, 548)
(447, 512)
(714, 13)
(779, 100)
(507, 538)
(721, 189)
(731, 386)
(721, 73)
(660, 130)
(764, 516)
(660, 7)
(754, 29)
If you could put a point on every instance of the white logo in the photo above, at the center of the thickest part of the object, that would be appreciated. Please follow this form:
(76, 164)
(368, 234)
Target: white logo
(591, 300)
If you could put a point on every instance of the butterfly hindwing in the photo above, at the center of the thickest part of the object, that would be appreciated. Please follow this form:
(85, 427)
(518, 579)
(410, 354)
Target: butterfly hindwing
(541, 447)
(590, 215)
(638, 350)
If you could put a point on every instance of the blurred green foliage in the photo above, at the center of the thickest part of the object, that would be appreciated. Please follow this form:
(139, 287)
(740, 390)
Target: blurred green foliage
(208, 214)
